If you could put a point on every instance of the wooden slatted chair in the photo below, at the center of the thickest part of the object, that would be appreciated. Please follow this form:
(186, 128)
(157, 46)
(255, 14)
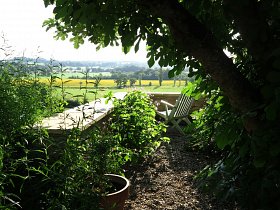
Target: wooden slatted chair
(176, 113)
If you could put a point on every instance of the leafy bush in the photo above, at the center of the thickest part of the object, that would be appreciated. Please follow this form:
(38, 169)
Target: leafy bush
(75, 180)
(78, 177)
(134, 125)
(23, 102)
(23, 155)
(247, 169)
(213, 123)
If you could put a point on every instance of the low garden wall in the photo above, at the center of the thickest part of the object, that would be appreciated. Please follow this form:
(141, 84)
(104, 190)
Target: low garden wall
(171, 98)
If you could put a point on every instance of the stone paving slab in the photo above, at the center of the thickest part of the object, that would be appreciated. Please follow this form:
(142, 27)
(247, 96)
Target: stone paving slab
(82, 116)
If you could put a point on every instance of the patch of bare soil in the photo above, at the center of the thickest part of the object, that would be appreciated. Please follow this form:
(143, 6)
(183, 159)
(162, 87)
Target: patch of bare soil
(165, 181)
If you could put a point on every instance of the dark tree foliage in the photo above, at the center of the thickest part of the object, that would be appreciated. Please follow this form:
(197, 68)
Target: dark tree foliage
(242, 112)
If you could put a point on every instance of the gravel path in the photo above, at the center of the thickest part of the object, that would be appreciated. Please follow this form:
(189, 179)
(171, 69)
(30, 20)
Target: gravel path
(165, 181)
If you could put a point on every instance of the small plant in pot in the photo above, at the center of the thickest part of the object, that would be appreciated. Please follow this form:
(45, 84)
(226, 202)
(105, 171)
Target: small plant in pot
(81, 178)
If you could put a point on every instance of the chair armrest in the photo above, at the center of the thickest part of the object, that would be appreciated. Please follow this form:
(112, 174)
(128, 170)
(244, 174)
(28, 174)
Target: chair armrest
(166, 103)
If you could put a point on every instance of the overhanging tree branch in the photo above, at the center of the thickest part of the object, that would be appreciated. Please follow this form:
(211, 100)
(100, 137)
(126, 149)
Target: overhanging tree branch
(252, 26)
(193, 38)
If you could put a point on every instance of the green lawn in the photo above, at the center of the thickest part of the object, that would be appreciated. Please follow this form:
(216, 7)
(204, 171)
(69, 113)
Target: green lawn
(76, 93)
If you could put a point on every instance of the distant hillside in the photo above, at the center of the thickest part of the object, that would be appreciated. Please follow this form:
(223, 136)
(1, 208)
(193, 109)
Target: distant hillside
(121, 65)
(108, 70)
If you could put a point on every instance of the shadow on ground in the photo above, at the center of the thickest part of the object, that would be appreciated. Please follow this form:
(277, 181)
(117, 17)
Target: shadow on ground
(166, 180)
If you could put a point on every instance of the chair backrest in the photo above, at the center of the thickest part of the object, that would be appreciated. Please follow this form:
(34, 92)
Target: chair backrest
(182, 107)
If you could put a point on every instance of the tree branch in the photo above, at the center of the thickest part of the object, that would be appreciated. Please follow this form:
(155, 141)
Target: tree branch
(252, 26)
(196, 40)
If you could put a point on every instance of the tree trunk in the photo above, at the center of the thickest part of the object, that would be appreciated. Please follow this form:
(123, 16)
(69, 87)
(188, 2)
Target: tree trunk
(196, 40)
(252, 25)
(254, 29)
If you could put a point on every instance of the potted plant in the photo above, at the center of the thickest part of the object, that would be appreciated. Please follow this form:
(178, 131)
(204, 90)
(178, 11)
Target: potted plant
(116, 198)
(80, 177)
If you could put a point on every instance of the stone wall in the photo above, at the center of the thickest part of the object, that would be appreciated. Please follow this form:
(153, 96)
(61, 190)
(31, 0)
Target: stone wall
(171, 98)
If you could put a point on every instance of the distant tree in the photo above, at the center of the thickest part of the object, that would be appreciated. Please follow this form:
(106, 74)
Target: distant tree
(160, 76)
(121, 80)
(182, 77)
(97, 81)
(132, 81)
(124, 81)
(140, 76)
(128, 68)
(174, 80)
(118, 82)
(114, 75)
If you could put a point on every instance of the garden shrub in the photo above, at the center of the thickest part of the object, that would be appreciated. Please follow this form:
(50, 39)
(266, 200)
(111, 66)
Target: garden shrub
(29, 178)
(134, 125)
(23, 102)
(24, 153)
(246, 169)
(77, 178)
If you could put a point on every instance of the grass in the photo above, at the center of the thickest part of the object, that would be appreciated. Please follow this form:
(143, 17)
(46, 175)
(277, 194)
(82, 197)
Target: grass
(75, 88)
(72, 92)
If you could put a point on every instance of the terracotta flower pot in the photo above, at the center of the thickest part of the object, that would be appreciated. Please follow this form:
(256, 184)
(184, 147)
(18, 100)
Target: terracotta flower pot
(116, 200)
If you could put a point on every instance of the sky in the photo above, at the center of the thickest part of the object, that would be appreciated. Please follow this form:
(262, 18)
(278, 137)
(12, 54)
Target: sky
(21, 24)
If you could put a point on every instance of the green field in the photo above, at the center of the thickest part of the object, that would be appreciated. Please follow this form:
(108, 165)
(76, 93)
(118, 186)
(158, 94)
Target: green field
(77, 93)
(75, 89)
(80, 75)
